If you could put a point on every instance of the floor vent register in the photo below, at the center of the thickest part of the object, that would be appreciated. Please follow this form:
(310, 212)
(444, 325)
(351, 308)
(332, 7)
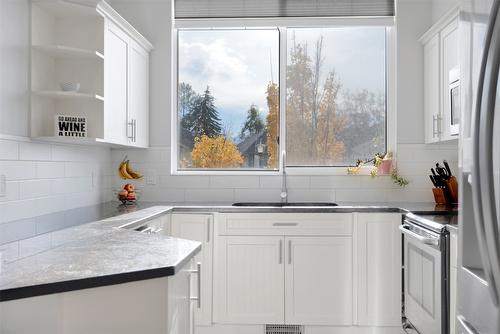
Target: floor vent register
(284, 329)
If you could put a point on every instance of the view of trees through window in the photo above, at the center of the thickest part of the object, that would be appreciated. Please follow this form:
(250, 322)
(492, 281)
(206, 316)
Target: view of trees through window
(228, 97)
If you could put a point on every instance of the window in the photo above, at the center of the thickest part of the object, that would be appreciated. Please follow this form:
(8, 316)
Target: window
(227, 99)
(335, 96)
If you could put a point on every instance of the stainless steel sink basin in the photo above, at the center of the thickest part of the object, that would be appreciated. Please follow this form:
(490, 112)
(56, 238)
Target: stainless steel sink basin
(279, 204)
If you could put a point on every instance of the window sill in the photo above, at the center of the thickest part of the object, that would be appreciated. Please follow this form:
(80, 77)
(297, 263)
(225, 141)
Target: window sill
(306, 171)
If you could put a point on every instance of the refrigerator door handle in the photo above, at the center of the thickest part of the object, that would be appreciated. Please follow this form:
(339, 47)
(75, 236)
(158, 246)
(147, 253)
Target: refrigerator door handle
(484, 207)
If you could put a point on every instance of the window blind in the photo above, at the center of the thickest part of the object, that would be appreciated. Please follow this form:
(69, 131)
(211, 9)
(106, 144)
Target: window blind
(200, 9)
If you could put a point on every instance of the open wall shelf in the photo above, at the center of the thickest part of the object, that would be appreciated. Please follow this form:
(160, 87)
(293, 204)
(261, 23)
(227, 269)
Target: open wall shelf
(67, 52)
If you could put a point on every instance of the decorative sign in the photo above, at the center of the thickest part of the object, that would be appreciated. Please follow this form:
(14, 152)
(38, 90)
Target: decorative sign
(71, 126)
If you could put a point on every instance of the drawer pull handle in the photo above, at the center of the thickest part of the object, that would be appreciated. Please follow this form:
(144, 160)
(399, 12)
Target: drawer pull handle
(285, 224)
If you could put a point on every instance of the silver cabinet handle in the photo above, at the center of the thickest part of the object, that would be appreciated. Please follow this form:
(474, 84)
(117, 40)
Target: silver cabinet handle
(285, 224)
(428, 241)
(131, 133)
(280, 258)
(436, 125)
(434, 133)
(289, 251)
(134, 121)
(208, 229)
(198, 273)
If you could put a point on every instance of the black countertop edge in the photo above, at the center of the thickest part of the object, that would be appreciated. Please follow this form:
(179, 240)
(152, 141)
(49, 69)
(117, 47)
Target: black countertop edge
(93, 282)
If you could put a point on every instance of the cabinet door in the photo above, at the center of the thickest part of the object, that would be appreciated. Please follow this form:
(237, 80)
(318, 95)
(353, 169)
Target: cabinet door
(248, 280)
(318, 280)
(138, 115)
(199, 228)
(432, 104)
(115, 84)
(449, 61)
(378, 252)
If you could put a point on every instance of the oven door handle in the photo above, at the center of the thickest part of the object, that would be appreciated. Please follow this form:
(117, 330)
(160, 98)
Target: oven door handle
(428, 241)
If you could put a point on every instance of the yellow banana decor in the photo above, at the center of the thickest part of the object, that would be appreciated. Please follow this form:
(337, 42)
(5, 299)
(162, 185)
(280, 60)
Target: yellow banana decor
(126, 172)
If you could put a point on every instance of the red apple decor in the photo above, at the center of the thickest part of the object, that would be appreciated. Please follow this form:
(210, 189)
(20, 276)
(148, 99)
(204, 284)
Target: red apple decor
(128, 194)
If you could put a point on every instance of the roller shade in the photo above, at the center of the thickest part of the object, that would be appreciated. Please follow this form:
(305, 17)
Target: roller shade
(199, 9)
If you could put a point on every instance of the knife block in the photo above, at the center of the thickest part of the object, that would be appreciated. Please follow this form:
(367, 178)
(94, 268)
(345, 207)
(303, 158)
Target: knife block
(452, 187)
(439, 195)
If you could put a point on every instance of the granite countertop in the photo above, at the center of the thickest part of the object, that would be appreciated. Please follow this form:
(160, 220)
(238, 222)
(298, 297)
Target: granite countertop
(416, 208)
(97, 254)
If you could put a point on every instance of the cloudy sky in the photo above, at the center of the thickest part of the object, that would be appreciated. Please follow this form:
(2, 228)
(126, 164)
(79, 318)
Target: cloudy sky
(238, 64)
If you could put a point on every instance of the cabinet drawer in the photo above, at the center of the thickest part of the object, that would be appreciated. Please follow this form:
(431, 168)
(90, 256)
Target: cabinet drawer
(285, 224)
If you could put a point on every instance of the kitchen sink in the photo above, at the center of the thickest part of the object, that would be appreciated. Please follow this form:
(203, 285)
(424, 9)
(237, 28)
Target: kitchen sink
(279, 204)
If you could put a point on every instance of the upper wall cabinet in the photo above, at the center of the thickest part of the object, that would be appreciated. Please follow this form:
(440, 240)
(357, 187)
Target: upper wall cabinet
(90, 64)
(441, 85)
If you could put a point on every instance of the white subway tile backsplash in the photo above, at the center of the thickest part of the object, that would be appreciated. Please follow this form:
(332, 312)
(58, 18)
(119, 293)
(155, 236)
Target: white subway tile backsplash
(9, 150)
(43, 179)
(18, 170)
(16, 230)
(257, 195)
(71, 185)
(234, 182)
(10, 251)
(49, 170)
(311, 195)
(35, 152)
(12, 191)
(77, 169)
(209, 195)
(34, 189)
(335, 181)
(34, 245)
(184, 181)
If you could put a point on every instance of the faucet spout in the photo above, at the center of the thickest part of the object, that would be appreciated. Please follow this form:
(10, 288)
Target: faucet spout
(284, 190)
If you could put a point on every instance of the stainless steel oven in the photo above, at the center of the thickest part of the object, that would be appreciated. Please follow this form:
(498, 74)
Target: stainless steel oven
(425, 275)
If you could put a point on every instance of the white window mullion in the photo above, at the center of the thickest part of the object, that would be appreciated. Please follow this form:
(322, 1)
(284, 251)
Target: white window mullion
(282, 90)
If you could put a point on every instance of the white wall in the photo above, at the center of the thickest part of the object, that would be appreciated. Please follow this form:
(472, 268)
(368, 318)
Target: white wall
(441, 7)
(41, 178)
(414, 158)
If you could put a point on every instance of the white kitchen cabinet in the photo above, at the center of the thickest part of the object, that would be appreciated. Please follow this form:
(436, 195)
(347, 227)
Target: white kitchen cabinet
(116, 66)
(248, 281)
(153, 306)
(284, 277)
(378, 257)
(440, 48)
(96, 47)
(318, 281)
(432, 100)
(138, 111)
(199, 227)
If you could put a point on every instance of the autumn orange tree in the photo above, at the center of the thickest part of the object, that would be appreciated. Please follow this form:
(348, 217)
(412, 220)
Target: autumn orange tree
(272, 124)
(313, 123)
(215, 152)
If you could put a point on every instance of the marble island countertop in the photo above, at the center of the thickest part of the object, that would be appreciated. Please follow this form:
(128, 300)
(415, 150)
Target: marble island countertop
(98, 253)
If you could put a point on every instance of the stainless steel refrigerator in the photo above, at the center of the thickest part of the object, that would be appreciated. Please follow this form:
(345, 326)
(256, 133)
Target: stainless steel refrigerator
(479, 239)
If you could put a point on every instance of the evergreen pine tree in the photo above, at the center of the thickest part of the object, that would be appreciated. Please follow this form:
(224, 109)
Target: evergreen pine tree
(253, 124)
(204, 117)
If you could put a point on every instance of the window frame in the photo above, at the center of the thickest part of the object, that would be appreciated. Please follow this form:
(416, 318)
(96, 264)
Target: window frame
(282, 24)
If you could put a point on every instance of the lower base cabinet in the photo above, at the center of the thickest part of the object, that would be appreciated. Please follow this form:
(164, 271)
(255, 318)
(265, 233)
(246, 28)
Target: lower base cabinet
(291, 280)
(153, 306)
(378, 256)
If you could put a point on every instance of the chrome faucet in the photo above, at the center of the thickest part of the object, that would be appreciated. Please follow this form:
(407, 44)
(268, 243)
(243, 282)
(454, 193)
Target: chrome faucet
(284, 191)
